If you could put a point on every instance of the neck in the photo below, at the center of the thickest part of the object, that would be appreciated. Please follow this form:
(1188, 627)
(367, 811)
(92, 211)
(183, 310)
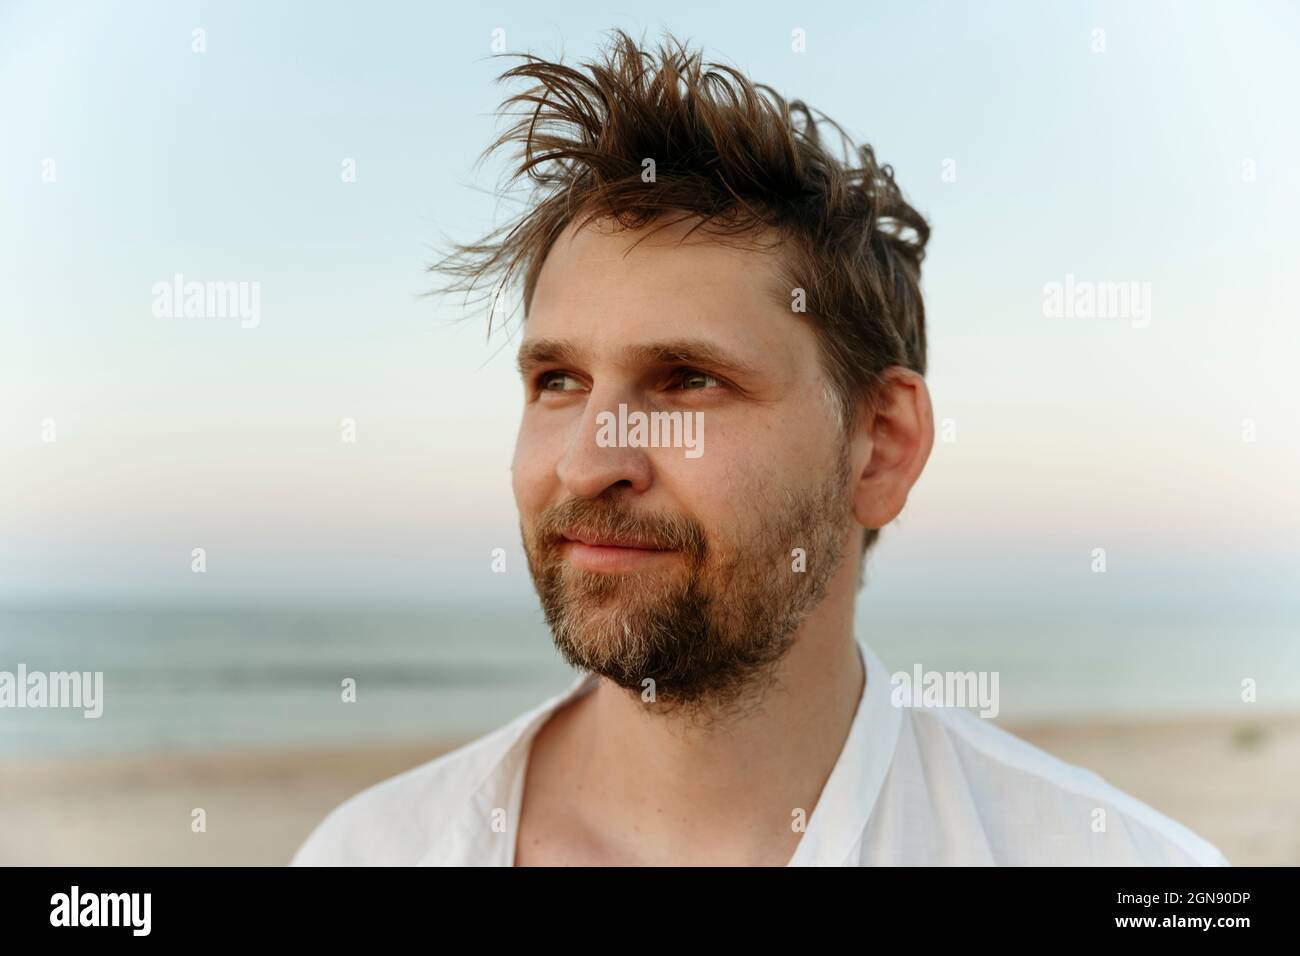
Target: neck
(727, 790)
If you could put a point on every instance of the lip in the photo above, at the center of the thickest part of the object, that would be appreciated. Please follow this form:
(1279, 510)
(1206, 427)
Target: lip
(610, 556)
(595, 541)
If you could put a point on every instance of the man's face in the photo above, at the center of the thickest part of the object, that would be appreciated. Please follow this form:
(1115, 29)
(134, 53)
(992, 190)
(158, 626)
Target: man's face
(651, 563)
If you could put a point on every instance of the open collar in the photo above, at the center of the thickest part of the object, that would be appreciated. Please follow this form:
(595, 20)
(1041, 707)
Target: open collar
(468, 837)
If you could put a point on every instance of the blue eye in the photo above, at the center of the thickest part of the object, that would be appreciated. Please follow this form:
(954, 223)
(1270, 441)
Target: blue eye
(554, 381)
(688, 379)
(692, 380)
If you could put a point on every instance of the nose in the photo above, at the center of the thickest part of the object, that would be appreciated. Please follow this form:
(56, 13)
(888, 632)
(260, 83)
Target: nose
(587, 468)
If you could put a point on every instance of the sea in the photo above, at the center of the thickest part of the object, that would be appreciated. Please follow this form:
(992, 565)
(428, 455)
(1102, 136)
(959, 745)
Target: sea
(183, 678)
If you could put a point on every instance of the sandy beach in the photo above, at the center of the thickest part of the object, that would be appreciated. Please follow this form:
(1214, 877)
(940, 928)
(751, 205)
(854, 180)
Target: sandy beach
(1237, 783)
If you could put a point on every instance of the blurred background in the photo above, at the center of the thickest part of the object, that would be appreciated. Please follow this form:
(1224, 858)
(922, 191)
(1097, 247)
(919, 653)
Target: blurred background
(1110, 517)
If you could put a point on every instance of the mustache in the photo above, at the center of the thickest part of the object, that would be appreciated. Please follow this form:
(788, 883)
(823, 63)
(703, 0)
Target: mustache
(605, 517)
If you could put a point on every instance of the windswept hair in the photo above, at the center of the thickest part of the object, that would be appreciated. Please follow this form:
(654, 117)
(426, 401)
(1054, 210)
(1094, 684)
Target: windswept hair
(737, 156)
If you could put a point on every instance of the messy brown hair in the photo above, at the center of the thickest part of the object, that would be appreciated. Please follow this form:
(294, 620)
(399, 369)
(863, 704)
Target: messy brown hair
(739, 158)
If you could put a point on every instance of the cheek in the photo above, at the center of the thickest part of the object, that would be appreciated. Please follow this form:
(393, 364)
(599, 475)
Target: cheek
(746, 473)
(720, 490)
(532, 471)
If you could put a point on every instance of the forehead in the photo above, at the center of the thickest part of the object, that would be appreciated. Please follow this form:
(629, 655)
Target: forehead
(608, 286)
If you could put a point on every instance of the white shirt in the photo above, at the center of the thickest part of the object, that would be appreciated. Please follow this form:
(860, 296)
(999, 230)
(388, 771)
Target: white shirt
(911, 786)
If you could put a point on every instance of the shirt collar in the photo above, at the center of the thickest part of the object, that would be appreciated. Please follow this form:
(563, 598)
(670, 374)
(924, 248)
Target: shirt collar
(468, 837)
(838, 820)
(850, 794)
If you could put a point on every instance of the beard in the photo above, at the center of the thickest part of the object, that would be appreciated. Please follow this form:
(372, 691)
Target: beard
(709, 629)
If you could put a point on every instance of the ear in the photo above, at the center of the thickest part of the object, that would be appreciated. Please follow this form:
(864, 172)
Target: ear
(890, 446)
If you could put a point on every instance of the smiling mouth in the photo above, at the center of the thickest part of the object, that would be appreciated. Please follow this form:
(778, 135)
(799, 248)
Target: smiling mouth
(598, 541)
(596, 553)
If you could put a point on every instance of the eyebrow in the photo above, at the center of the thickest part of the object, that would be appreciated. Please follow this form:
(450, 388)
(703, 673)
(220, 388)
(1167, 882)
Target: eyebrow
(676, 352)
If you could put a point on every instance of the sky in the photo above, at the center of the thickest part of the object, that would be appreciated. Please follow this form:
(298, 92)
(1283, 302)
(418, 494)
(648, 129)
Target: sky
(1153, 143)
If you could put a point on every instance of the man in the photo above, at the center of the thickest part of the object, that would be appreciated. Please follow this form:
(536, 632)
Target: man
(696, 255)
